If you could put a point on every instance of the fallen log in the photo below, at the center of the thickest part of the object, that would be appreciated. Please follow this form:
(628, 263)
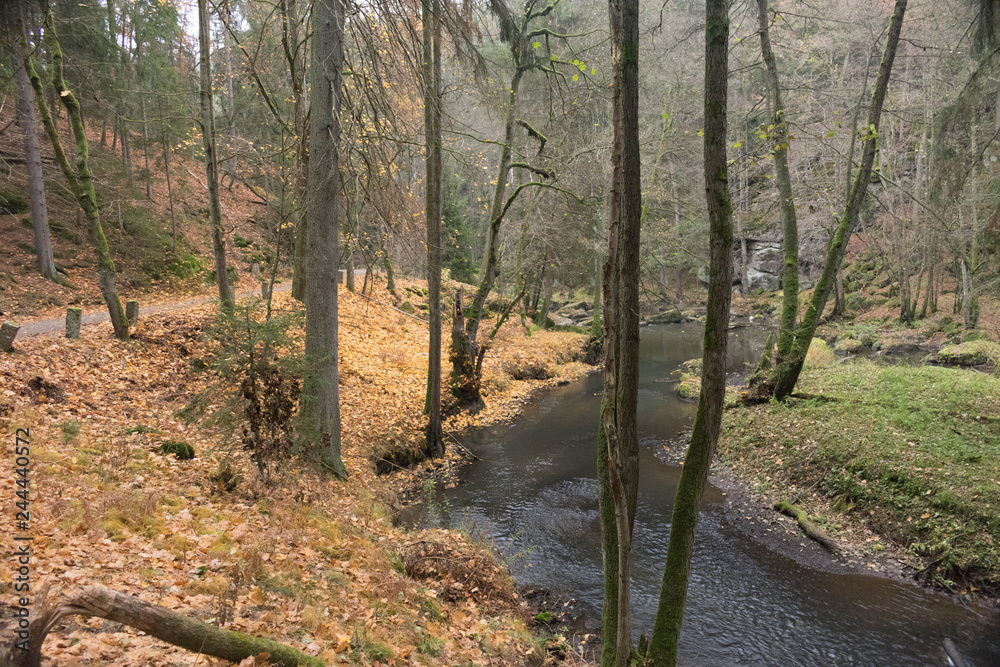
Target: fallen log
(807, 526)
(170, 626)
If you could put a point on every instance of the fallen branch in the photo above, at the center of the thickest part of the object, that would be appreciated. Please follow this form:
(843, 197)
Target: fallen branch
(807, 526)
(169, 626)
(418, 319)
(463, 447)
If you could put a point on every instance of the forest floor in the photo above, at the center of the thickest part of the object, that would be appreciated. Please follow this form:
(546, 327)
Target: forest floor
(894, 458)
(304, 560)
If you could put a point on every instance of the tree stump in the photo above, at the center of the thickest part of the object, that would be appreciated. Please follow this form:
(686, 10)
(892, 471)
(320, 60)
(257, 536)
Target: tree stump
(132, 312)
(8, 332)
(73, 315)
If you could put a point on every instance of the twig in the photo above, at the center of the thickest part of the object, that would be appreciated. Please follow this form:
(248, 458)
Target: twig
(463, 447)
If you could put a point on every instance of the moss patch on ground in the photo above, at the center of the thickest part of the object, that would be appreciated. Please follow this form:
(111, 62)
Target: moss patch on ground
(911, 454)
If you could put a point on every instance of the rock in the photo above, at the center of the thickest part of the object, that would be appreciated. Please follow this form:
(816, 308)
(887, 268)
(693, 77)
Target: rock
(407, 307)
(972, 353)
(560, 321)
(768, 282)
(667, 317)
(850, 346)
(8, 332)
(73, 315)
(132, 312)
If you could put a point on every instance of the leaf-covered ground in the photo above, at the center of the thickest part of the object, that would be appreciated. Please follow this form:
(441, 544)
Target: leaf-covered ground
(309, 562)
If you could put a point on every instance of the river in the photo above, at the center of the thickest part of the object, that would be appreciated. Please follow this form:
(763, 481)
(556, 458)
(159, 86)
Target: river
(534, 494)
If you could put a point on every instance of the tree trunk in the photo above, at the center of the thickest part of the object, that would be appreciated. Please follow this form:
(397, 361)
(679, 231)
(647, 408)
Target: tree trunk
(28, 122)
(290, 41)
(211, 160)
(434, 443)
(618, 438)
(81, 182)
(169, 626)
(705, 433)
(145, 151)
(788, 369)
(166, 173)
(786, 200)
(321, 393)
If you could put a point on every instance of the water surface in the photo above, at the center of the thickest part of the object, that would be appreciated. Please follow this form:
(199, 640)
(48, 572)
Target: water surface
(535, 495)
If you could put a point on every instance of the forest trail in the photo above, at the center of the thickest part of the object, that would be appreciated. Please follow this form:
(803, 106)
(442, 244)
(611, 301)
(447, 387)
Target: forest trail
(56, 324)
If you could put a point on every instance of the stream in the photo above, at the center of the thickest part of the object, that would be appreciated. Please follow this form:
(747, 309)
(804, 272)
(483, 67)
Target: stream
(534, 495)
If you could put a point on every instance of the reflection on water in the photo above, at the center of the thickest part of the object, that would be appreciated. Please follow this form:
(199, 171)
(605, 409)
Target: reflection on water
(535, 495)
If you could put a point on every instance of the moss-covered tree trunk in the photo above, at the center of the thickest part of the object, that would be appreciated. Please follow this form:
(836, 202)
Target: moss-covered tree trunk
(788, 369)
(665, 639)
(211, 159)
(786, 201)
(164, 624)
(618, 438)
(80, 179)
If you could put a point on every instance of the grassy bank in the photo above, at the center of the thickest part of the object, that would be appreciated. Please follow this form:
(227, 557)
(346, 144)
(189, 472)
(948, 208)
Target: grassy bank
(888, 457)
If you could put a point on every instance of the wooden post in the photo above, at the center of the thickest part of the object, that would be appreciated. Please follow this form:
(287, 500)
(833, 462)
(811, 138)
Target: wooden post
(73, 315)
(132, 312)
(8, 332)
(265, 290)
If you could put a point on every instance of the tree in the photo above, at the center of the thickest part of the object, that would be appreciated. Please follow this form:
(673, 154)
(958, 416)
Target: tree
(618, 436)
(211, 159)
(434, 443)
(780, 381)
(27, 120)
(467, 352)
(665, 639)
(786, 201)
(80, 178)
(321, 394)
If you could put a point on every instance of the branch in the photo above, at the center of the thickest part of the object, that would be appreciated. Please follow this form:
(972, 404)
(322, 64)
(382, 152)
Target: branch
(534, 134)
(537, 184)
(170, 626)
(541, 171)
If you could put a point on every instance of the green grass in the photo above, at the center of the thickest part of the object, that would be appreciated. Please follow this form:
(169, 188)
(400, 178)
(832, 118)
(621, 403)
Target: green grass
(914, 452)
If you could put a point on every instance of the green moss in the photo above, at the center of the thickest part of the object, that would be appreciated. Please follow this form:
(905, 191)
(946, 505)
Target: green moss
(182, 450)
(970, 353)
(12, 202)
(909, 450)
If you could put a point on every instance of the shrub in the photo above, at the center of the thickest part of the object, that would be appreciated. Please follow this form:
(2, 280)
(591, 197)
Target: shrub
(12, 202)
(255, 393)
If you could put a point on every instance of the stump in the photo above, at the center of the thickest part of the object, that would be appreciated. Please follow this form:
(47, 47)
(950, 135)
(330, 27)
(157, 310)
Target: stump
(132, 312)
(73, 315)
(8, 332)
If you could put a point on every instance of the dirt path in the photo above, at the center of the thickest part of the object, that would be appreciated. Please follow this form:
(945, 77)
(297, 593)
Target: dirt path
(58, 324)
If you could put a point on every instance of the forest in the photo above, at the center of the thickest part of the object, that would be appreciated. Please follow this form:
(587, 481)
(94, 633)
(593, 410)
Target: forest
(515, 332)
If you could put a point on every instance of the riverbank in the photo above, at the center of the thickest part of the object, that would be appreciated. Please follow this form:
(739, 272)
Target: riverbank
(310, 562)
(898, 464)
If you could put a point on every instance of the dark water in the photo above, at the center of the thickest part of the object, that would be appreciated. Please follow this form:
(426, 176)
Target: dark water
(535, 495)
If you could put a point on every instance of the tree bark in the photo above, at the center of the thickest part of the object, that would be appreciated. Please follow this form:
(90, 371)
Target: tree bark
(788, 370)
(786, 200)
(80, 179)
(321, 393)
(170, 626)
(166, 173)
(434, 442)
(708, 419)
(145, 151)
(618, 438)
(211, 159)
(28, 122)
(293, 55)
